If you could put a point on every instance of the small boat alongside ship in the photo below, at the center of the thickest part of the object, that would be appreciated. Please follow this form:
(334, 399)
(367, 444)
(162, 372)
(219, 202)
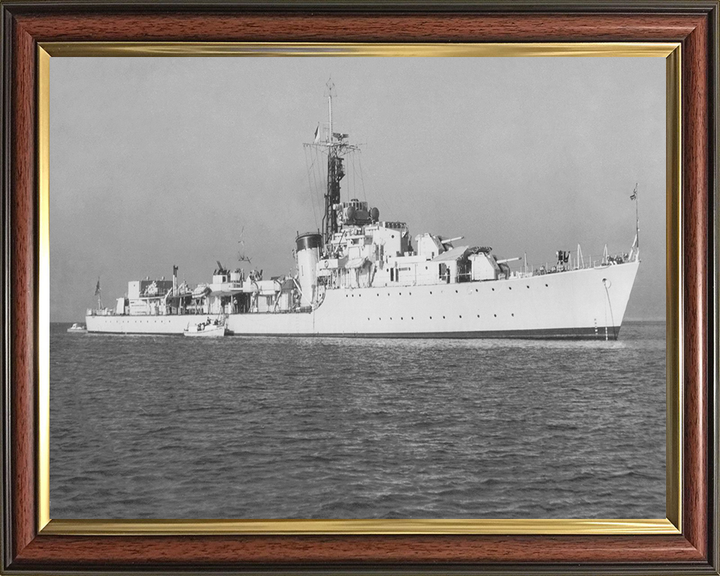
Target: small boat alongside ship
(362, 276)
(208, 329)
(77, 328)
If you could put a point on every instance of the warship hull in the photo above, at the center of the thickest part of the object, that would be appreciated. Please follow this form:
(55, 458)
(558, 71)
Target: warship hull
(586, 303)
(365, 277)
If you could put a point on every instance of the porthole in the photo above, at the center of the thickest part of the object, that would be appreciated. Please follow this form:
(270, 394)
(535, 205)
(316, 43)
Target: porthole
(443, 317)
(478, 315)
(509, 287)
(456, 291)
(528, 286)
(495, 315)
(460, 316)
(493, 289)
(513, 315)
(546, 285)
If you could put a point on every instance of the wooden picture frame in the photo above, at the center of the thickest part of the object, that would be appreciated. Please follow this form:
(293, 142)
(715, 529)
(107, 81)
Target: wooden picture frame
(30, 544)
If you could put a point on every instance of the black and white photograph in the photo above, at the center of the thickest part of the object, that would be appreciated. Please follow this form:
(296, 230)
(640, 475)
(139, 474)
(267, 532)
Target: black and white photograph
(357, 288)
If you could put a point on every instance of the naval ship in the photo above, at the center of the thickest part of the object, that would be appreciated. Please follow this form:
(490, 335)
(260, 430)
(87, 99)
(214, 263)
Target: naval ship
(361, 276)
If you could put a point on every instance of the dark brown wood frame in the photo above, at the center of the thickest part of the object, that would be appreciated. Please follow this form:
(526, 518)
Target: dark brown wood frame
(694, 24)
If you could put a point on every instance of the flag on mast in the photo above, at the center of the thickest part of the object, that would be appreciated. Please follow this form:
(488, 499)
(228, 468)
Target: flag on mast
(97, 288)
(634, 194)
(317, 134)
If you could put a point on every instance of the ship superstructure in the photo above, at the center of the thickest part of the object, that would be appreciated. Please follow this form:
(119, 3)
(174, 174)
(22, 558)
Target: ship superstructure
(361, 276)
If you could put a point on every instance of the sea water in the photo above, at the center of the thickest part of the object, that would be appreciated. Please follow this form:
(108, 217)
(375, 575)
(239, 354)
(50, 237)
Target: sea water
(173, 427)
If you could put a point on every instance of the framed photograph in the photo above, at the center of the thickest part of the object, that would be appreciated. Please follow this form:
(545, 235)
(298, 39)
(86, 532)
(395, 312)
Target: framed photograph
(364, 288)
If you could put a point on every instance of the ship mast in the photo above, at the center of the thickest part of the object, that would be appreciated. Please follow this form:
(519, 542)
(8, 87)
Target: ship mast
(337, 148)
(635, 250)
(335, 172)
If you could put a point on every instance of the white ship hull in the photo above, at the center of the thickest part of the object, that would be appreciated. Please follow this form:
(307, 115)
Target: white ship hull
(586, 304)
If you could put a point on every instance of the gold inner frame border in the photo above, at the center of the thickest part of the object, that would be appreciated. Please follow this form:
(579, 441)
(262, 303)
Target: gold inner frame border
(671, 51)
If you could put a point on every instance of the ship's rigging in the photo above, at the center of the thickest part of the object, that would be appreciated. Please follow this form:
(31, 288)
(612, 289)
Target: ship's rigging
(336, 147)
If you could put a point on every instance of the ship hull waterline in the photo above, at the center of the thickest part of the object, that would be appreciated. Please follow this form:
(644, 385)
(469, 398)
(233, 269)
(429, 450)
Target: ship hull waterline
(585, 304)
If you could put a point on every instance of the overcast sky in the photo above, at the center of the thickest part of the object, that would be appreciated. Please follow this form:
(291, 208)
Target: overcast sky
(156, 162)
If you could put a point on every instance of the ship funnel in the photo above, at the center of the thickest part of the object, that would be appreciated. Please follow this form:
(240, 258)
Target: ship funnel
(308, 254)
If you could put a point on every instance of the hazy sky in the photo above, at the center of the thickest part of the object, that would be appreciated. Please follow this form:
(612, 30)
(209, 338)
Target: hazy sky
(156, 162)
